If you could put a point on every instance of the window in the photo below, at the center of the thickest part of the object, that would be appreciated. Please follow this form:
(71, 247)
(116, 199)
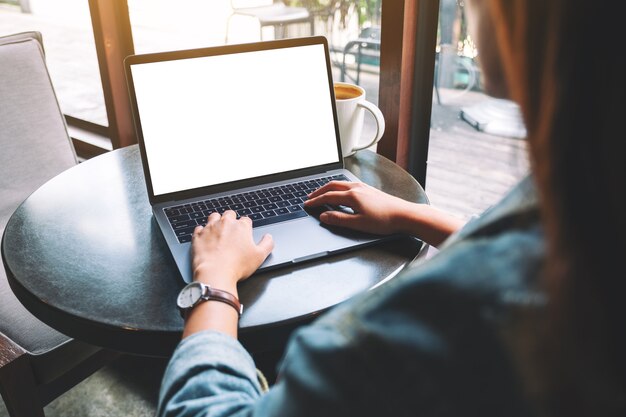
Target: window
(70, 51)
(477, 149)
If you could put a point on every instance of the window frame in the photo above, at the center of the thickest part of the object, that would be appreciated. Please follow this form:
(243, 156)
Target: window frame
(408, 65)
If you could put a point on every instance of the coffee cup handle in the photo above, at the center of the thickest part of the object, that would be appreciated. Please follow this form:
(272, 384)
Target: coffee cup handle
(380, 123)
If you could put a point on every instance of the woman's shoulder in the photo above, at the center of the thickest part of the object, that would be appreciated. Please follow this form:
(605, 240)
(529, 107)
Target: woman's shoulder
(494, 260)
(436, 333)
(477, 280)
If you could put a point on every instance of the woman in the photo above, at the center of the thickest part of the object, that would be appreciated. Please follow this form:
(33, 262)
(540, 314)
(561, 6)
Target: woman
(520, 312)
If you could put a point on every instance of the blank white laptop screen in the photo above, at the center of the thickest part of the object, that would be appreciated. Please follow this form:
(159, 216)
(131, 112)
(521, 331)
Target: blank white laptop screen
(224, 118)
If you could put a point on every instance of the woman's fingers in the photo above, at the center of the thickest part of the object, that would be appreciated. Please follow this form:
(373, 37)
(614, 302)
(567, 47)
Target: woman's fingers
(196, 231)
(265, 246)
(332, 186)
(213, 218)
(247, 220)
(338, 218)
(345, 198)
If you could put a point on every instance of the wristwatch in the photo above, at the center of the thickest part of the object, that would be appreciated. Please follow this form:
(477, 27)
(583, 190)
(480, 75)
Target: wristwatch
(196, 292)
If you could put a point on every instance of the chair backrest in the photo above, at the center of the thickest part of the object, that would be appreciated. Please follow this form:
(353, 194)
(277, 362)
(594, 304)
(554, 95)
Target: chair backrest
(34, 144)
(34, 147)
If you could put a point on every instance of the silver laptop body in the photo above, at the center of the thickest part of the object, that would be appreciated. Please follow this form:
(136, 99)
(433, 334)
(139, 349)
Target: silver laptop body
(216, 125)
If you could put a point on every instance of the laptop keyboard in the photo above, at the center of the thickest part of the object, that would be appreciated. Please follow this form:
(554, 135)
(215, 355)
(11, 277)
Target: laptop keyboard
(265, 206)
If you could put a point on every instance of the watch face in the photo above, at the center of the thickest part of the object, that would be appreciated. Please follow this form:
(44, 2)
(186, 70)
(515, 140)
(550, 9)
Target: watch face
(190, 295)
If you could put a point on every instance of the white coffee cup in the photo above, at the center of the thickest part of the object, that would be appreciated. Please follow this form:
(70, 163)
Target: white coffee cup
(351, 106)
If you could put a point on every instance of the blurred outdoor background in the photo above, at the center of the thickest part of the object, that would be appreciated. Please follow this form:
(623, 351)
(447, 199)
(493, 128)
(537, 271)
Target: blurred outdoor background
(476, 149)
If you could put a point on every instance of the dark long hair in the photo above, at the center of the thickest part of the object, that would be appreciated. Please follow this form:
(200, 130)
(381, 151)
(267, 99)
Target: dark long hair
(565, 65)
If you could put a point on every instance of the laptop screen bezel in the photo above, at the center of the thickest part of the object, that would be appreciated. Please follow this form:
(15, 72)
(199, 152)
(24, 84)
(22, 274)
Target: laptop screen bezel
(224, 50)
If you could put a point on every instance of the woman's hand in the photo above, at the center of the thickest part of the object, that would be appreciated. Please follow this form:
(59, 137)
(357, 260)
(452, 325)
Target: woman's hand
(380, 213)
(374, 211)
(224, 251)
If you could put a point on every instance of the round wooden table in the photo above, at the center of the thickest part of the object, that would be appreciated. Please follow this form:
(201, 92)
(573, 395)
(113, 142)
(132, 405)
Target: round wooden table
(84, 255)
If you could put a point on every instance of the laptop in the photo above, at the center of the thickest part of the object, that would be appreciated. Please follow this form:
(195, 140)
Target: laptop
(252, 128)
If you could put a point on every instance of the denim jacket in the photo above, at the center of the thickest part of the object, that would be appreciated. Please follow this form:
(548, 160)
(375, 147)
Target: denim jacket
(429, 342)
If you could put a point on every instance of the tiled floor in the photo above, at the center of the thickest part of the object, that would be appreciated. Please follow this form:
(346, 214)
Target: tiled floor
(128, 387)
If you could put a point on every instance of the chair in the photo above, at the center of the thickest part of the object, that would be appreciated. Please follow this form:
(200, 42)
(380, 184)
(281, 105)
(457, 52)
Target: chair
(366, 50)
(276, 14)
(37, 363)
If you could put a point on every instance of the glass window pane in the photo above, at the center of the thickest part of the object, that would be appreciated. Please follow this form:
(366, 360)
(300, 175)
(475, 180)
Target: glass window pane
(71, 56)
(351, 26)
(477, 149)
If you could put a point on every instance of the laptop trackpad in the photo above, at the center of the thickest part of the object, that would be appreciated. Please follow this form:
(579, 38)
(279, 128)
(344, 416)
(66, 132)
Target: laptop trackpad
(307, 239)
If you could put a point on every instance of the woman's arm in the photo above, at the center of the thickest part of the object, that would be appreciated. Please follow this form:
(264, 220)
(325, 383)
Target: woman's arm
(380, 213)
(224, 253)
(210, 373)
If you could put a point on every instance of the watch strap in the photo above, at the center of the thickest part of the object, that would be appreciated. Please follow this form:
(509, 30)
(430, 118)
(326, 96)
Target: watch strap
(214, 294)
(209, 293)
